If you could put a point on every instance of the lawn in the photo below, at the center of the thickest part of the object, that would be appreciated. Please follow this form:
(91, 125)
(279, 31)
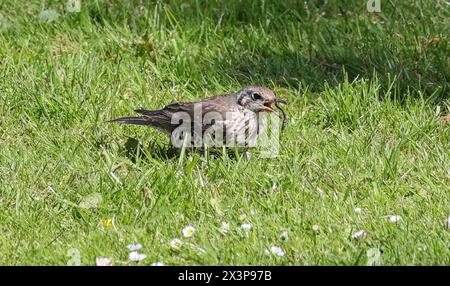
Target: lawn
(363, 172)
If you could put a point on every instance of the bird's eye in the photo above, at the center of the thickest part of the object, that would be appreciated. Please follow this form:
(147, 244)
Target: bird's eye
(256, 96)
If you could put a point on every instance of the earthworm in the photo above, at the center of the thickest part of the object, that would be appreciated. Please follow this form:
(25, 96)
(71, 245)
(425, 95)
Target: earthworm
(278, 100)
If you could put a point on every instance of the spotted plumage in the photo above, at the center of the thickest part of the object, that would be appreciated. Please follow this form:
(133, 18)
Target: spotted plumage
(223, 120)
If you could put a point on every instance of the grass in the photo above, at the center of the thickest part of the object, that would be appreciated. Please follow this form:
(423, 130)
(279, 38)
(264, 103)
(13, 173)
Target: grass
(366, 93)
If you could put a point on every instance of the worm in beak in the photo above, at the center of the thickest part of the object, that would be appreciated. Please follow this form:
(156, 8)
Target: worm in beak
(283, 114)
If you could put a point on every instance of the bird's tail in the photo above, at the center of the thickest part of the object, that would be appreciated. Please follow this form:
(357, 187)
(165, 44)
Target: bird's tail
(140, 120)
(153, 118)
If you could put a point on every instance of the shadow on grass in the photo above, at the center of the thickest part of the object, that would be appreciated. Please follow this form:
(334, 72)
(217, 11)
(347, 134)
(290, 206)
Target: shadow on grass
(134, 150)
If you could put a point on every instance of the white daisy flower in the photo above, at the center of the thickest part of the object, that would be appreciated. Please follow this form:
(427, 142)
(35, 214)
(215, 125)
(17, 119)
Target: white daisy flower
(188, 231)
(157, 263)
(358, 210)
(395, 218)
(134, 247)
(175, 244)
(246, 226)
(359, 234)
(447, 223)
(103, 261)
(136, 257)
(225, 228)
(275, 250)
(315, 227)
(284, 235)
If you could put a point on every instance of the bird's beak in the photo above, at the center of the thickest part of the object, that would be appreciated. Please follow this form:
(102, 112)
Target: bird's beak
(268, 106)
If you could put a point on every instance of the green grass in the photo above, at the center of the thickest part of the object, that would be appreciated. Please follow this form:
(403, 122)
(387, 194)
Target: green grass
(365, 92)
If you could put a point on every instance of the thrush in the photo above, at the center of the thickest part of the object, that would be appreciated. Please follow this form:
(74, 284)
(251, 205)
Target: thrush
(222, 120)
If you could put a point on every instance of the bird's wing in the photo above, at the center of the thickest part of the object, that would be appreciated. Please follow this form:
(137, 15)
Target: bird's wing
(216, 106)
(199, 113)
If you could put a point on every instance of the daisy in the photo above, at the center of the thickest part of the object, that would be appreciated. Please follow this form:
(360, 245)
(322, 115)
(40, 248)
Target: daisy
(358, 210)
(225, 228)
(188, 231)
(246, 226)
(359, 234)
(134, 247)
(284, 235)
(395, 218)
(275, 250)
(315, 227)
(447, 223)
(136, 257)
(175, 244)
(103, 261)
(157, 263)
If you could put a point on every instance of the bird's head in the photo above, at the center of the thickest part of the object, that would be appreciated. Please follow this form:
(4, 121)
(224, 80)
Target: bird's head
(257, 99)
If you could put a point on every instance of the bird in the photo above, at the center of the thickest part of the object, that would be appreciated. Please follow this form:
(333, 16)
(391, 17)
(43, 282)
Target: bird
(233, 119)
